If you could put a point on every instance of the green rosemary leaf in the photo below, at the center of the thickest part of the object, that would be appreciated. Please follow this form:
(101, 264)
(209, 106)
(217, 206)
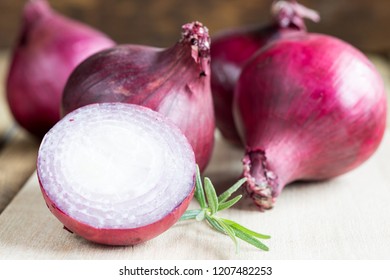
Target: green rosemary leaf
(211, 195)
(249, 239)
(229, 231)
(199, 191)
(226, 194)
(214, 224)
(190, 214)
(245, 230)
(210, 204)
(229, 203)
(201, 215)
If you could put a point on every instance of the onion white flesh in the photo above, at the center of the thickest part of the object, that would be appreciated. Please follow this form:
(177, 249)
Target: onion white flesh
(115, 166)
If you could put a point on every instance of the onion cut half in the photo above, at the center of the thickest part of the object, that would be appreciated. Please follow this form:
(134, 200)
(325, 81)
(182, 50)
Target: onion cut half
(116, 173)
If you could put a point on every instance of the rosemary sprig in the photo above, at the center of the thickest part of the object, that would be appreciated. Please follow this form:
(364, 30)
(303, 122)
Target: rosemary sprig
(211, 204)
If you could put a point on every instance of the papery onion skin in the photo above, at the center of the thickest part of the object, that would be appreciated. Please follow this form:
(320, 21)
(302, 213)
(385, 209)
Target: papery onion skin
(308, 108)
(173, 81)
(119, 237)
(231, 49)
(49, 47)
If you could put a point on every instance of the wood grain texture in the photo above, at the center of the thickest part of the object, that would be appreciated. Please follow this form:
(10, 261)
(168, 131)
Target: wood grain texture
(360, 22)
(344, 218)
(17, 163)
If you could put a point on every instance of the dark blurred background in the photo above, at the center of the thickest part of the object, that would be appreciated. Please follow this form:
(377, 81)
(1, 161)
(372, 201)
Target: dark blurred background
(364, 23)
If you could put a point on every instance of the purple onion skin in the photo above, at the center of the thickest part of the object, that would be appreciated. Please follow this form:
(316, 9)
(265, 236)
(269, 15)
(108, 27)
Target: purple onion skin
(308, 108)
(118, 237)
(230, 50)
(50, 46)
(173, 81)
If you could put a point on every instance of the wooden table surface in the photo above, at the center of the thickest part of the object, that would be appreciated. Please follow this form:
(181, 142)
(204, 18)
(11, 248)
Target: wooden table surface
(344, 218)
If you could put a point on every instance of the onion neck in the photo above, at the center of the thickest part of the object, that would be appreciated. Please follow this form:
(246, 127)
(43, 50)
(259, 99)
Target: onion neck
(291, 14)
(193, 49)
(191, 53)
(263, 185)
(196, 35)
(33, 13)
(34, 10)
(187, 59)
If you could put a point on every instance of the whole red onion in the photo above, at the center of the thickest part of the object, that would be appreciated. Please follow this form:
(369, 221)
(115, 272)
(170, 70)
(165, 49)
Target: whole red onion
(232, 48)
(115, 173)
(49, 48)
(309, 107)
(173, 81)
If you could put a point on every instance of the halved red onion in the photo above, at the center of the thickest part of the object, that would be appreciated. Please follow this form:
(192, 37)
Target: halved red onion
(116, 173)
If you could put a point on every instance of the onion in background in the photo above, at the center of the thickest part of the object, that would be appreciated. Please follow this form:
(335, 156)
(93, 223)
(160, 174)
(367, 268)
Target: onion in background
(49, 47)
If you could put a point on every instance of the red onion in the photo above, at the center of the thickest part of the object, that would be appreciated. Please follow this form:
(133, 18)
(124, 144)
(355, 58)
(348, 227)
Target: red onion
(116, 173)
(49, 48)
(309, 107)
(173, 81)
(232, 48)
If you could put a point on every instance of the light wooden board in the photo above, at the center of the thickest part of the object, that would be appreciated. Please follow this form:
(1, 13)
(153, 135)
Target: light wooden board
(344, 218)
(17, 163)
